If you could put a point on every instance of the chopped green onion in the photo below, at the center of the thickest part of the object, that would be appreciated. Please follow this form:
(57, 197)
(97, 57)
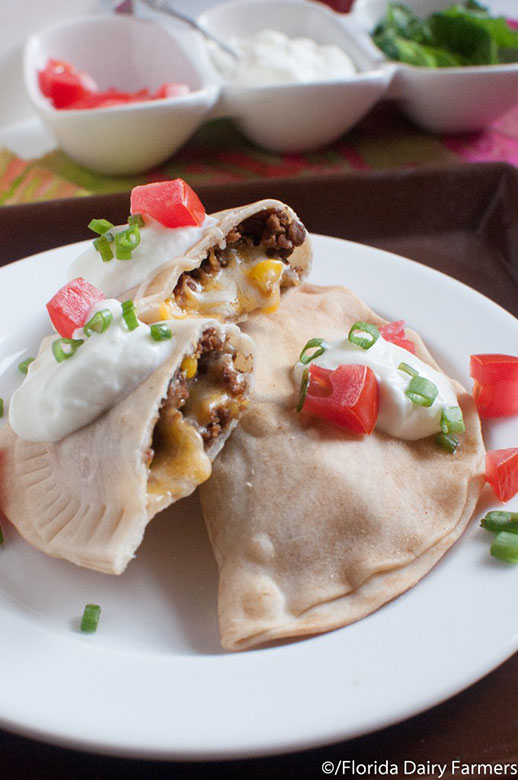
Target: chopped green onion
(408, 369)
(303, 389)
(24, 365)
(447, 442)
(1, 536)
(452, 420)
(100, 226)
(102, 244)
(90, 619)
(136, 219)
(160, 332)
(63, 354)
(421, 391)
(1, 407)
(363, 334)
(312, 343)
(126, 241)
(501, 521)
(505, 547)
(130, 315)
(98, 323)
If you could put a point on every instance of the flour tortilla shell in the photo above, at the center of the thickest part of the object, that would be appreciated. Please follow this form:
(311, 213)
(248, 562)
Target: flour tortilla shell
(150, 295)
(85, 498)
(314, 528)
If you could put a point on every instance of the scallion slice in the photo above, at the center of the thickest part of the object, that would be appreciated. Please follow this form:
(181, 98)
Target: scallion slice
(60, 353)
(312, 343)
(100, 226)
(303, 389)
(126, 241)
(90, 619)
(452, 420)
(136, 219)
(1, 536)
(98, 323)
(505, 547)
(102, 244)
(160, 332)
(447, 442)
(499, 520)
(1, 407)
(421, 391)
(363, 334)
(129, 315)
(24, 365)
(408, 369)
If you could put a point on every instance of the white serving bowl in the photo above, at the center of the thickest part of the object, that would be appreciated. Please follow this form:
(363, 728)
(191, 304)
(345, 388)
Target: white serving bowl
(298, 117)
(445, 100)
(128, 54)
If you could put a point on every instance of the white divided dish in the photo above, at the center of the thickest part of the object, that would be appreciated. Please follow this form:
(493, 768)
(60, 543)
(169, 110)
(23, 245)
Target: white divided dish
(295, 117)
(447, 100)
(129, 54)
(282, 117)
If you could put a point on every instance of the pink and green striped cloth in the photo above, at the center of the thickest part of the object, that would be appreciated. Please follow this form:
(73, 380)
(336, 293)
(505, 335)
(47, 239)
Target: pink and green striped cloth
(218, 154)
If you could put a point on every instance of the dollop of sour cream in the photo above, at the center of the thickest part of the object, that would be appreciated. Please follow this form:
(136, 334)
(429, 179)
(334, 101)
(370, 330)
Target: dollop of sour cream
(398, 415)
(56, 399)
(158, 246)
(270, 57)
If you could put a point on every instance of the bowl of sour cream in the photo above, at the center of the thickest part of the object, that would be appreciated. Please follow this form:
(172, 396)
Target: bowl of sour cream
(302, 76)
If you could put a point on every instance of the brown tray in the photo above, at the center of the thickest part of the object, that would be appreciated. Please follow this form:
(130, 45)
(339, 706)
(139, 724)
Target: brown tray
(461, 220)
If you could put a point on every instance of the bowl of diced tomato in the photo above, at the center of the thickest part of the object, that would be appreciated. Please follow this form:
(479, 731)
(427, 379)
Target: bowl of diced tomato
(119, 94)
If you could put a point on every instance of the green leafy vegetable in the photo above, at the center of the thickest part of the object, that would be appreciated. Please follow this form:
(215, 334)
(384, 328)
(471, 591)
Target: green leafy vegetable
(463, 34)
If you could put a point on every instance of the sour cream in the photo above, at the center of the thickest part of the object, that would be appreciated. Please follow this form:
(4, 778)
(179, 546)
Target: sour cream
(158, 246)
(270, 57)
(397, 416)
(56, 399)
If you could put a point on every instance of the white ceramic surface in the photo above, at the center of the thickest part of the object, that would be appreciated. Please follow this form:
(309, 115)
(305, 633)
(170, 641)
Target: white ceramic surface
(447, 100)
(298, 117)
(129, 54)
(153, 681)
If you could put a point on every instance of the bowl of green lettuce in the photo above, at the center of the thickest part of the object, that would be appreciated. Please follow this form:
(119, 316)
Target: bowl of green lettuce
(456, 62)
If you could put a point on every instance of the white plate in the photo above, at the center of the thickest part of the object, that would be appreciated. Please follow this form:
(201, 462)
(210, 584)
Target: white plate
(153, 682)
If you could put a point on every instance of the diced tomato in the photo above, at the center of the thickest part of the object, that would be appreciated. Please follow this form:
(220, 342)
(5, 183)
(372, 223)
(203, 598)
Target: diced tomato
(63, 84)
(68, 308)
(488, 369)
(171, 89)
(404, 343)
(393, 329)
(496, 400)
(395, 333)
(347, 396)
(172, 203)
(502, 472)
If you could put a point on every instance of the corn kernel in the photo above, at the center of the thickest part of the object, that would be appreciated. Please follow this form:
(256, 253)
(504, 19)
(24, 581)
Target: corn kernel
(189, 365)
(265, 274)
(165, 311)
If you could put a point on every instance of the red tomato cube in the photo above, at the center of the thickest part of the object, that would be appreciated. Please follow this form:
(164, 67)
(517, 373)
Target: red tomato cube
(392, 329)
(502, 472)
(496, 400)
(347, 396)
(63, 84)
(68, 309)
(172, 203)
(395, 333)
(489, 369)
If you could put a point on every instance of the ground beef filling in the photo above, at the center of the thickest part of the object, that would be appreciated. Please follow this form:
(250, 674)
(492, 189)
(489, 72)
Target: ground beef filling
(217, 377)
(274, 229)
